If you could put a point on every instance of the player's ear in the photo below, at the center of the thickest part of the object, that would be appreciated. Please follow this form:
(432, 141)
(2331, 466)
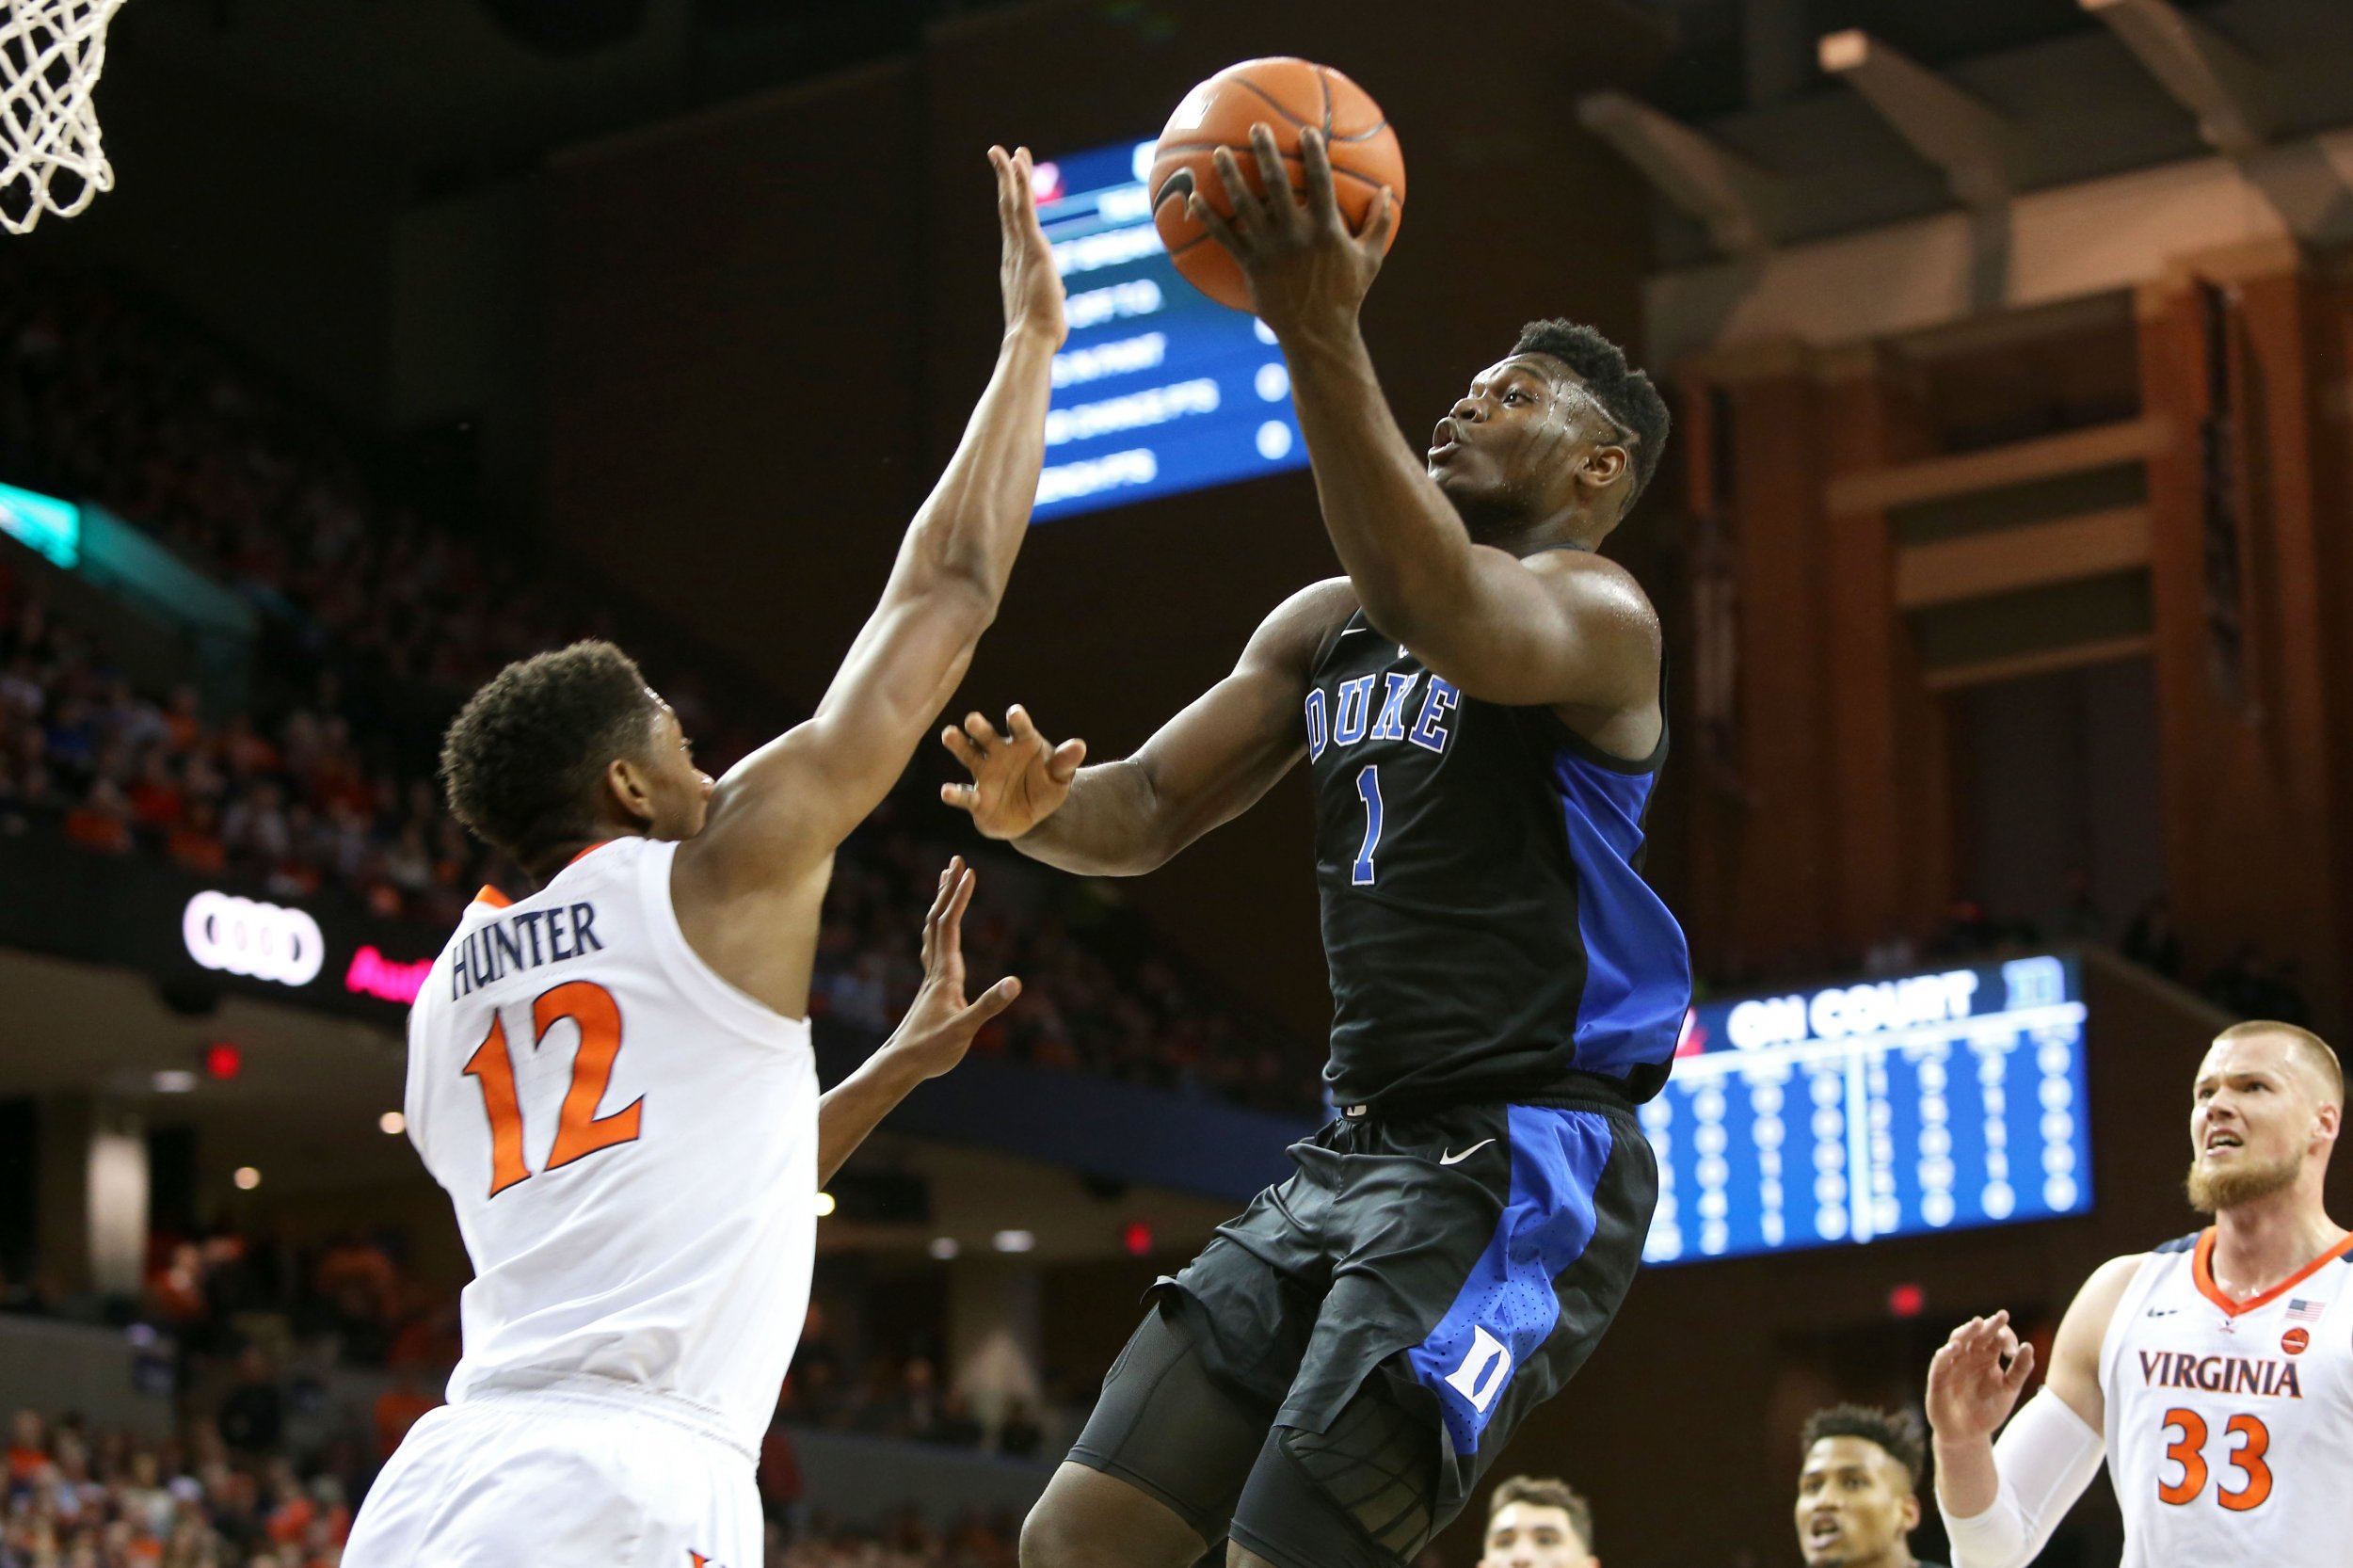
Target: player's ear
(1911, 1512)
(1604, 466)
(630, 789)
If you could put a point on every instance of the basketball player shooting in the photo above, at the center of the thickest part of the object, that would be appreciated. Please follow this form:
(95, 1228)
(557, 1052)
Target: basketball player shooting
(612, 1077)
(2209, 1373)
(1480, 703)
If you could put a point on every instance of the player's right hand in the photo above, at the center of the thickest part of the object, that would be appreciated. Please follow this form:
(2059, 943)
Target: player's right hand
(1025, 269)
(1018, 778)
(1975, 1379)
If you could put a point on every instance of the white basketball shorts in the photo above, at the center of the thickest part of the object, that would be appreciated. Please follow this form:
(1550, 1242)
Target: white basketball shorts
(548, 1480)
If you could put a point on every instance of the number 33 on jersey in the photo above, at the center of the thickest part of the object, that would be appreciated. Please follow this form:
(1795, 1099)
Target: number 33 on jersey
(628, 1142)
(2230, 1423)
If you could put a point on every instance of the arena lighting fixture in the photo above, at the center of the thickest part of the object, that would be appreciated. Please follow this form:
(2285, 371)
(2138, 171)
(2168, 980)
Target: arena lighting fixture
(392, 1123)
(246, 1178)
(943, 1248)
(174, 1081)
(1012, 1240)
(825, 1204)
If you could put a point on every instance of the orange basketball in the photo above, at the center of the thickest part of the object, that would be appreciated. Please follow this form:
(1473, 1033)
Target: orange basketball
(1287, 95)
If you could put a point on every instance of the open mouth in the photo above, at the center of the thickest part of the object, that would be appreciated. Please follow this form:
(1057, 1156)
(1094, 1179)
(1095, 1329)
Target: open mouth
(1821, 1532)
(2219, 1141)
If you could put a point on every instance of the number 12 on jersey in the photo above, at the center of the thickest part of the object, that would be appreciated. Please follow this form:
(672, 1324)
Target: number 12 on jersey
(579, 1130)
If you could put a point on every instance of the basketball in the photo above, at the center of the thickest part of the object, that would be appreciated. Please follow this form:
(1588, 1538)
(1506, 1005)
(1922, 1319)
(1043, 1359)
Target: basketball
(1287, 95)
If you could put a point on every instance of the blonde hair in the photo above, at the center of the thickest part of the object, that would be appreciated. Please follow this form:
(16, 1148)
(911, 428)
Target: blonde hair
(2314, 1048)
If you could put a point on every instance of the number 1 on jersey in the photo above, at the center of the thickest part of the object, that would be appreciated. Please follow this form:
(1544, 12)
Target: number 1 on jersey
(1368, 791)
(579, 1130)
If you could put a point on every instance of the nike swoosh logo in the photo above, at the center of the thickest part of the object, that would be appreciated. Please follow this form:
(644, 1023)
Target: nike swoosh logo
(1458, 1158)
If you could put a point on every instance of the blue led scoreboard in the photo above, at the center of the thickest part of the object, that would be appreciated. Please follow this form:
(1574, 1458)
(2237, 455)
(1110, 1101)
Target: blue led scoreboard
(1887, 1108)
(1160, 389)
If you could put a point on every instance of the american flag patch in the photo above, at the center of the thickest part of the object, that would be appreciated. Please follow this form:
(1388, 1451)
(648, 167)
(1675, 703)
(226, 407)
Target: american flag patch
(2304, 1312)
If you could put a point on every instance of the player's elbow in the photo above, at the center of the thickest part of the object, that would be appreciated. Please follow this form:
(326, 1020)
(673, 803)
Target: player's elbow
(961, 598)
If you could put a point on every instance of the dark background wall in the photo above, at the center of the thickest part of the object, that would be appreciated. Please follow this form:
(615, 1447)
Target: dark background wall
(768, 325)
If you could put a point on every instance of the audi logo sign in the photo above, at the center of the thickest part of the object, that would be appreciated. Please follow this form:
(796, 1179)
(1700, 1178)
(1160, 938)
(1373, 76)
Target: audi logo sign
(244, 936)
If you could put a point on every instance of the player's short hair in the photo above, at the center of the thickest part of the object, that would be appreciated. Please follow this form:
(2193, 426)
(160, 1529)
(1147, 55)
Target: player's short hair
(525, 757)
(2310, 1046)
(1624, 394)
(1545, 1492)
(1896, 1432)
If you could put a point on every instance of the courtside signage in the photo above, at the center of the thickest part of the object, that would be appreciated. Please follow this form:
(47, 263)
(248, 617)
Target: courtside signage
(1880, 1108)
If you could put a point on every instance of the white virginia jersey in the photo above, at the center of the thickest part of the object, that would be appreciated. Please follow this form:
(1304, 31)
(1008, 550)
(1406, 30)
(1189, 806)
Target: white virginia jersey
(2229, 1424)
(630, 1144)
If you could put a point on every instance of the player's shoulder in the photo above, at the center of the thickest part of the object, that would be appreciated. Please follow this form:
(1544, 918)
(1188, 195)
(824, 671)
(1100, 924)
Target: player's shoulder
(1311, 617)
(2102, 1293)
(1591, 583)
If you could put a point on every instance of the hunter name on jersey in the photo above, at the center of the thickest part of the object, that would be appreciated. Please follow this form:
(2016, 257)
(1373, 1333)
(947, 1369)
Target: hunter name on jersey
(522, 941)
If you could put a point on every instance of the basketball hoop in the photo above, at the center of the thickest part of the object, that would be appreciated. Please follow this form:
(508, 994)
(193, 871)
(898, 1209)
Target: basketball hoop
(51, 158)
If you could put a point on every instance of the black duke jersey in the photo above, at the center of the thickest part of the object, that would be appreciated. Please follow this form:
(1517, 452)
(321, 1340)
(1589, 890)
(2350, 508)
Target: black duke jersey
(1489, 932)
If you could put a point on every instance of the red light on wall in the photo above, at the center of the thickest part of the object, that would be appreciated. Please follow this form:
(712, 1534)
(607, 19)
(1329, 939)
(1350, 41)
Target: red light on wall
(1905, 1301)
(223, 1059)
(1138, 1236)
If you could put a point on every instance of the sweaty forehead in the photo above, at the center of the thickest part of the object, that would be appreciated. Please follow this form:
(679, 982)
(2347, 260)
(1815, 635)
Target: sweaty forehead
(2273, 1056)
(1539, 367)
(1531, 1516)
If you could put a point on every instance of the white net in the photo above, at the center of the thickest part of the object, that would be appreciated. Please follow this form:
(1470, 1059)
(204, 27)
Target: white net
(50, 53)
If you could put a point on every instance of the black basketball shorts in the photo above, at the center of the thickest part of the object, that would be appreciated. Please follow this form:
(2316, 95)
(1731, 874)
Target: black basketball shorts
(1330, 1379)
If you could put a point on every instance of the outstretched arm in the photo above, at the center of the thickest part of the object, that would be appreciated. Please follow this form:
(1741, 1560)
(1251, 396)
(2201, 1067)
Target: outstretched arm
(779, 812)
(1557, 628)
(930, 1040)
(1204, 767)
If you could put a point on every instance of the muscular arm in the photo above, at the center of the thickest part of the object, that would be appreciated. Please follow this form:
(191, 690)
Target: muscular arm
(778, 813)
(1560, 628)
(1202, 768)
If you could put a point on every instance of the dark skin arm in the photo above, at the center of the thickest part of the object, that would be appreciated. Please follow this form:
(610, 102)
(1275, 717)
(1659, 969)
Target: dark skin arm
(929, 1041)
(1563, 628)
(1203, 768)
(750, 886)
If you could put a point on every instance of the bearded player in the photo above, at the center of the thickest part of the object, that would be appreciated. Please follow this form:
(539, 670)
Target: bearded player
(1478, 700)
(2215, 1374)
(612, 1076)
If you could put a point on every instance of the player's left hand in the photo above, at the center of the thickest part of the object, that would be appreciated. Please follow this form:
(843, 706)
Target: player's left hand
(939, 1024)
(1306, 271)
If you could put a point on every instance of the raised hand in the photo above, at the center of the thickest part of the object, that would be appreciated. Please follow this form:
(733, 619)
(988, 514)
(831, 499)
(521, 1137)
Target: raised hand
(1018, 778)
(1306, 271)
(1025, 270)
(1975, 1378)
(939, 1024)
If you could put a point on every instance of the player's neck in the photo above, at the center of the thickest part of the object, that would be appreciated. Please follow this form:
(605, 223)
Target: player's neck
(542, 868)
(2259, 1243)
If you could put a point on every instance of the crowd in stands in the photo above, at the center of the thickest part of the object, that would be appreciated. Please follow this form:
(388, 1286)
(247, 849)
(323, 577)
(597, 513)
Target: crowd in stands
(323, 784)
(72, 1497)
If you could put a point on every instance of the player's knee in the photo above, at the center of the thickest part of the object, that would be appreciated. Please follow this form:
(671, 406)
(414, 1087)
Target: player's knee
(1087, 1519)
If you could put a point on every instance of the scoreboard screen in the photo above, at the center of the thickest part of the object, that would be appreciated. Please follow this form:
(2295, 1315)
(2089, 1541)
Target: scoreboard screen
(1887, 1108)
(1160, 389)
